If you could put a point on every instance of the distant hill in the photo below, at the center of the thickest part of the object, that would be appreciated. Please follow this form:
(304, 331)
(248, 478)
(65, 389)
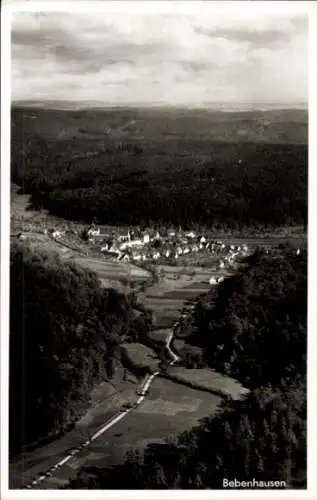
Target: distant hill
(276, 126)
(136, 166)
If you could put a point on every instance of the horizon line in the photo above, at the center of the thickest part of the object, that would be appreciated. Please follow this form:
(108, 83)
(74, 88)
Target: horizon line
(217, 105)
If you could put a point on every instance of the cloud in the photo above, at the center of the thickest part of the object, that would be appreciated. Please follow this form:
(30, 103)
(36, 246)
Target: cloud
(174, 58)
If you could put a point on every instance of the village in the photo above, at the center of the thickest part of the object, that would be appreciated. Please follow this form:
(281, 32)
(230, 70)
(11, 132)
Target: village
(147, 246)
(164, 247)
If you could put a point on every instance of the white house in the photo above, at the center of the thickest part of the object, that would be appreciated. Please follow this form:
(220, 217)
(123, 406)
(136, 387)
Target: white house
(191, 234)
(134, 243)
(222, 265)
(220, 279)
(232, 247)
(93, 232)
(212, 281)
(167, 253)
(203, 239)
(195, 248)
(124, 237)
(56, 234)
(137, 256)
(179, 250)
(146, 238)
(186, 250)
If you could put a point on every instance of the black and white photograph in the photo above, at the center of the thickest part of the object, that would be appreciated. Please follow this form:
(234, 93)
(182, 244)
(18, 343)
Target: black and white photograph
(158, 246)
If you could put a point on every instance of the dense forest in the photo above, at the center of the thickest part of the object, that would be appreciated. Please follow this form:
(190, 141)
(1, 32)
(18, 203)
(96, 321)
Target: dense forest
(65, 335)
(184, 180)
(262, 437)
(254, 326)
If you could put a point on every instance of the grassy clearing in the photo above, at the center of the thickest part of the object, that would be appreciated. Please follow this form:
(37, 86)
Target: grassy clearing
(209, 379)
(184, 294)
(160, 335)
(141, 355)
(112, 270)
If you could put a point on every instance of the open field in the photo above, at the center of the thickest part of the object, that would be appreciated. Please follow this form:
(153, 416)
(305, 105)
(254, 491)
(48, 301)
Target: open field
(141, 354)
(209, 379)
(113, 270)
(167, 298)
(160, 335)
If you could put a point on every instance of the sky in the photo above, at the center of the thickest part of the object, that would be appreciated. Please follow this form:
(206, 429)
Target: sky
(152, 57)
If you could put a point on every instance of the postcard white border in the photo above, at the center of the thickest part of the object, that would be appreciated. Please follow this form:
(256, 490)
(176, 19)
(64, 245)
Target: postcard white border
(129, 6)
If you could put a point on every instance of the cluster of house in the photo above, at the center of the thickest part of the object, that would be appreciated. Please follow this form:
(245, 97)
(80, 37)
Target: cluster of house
(153, 246)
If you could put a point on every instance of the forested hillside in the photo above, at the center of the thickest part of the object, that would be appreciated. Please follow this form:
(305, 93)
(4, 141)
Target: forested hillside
(64, 334)
(255, 326)
(168, 175)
